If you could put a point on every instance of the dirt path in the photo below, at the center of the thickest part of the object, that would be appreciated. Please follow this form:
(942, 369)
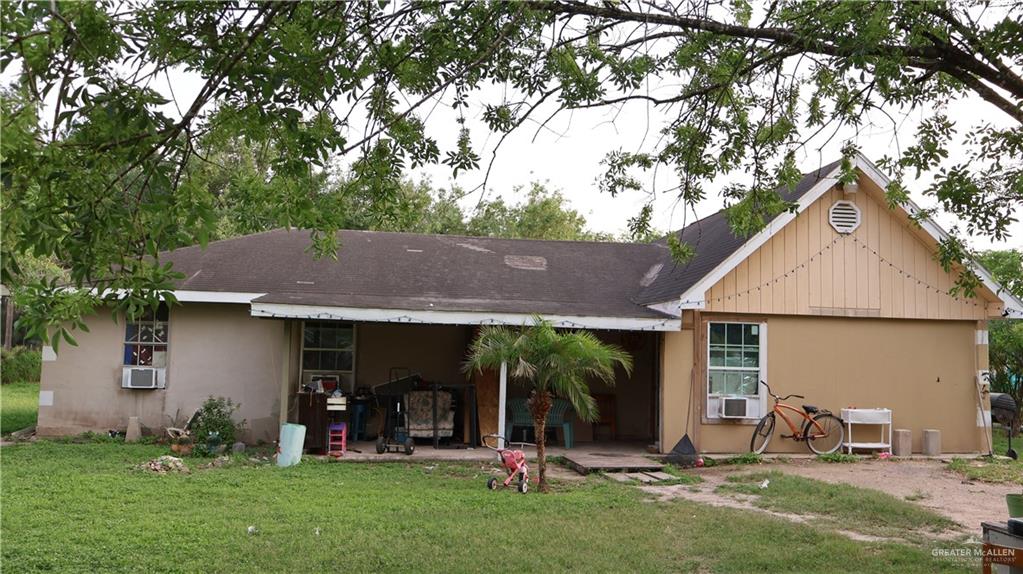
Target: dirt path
(926, 482)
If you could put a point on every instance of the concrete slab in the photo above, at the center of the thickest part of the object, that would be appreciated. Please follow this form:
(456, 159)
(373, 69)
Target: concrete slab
(365, 451)
(619, 476)
(644, 478)
(660, 476)
(587, 462)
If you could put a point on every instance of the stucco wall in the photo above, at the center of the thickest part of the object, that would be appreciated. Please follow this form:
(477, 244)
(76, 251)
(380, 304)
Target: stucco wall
(924, 371)
(214, 349)
(677, 361)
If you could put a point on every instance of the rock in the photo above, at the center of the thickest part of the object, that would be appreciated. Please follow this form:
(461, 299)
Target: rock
(238, 447)
(165, 464)
(134, 432)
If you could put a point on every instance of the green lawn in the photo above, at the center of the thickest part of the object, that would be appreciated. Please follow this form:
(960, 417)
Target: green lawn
(997, 470)
(19, 405)
(83, 508)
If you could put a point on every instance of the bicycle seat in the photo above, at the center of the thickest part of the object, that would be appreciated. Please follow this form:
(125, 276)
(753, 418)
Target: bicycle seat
(810, 409)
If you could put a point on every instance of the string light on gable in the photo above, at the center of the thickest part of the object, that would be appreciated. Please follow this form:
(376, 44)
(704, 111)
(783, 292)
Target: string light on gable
(802, 265)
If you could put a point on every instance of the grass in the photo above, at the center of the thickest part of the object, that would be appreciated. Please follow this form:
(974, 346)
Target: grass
(987, 469)
(19, 406)
(840, 505)
(838, 457)
(94, 512)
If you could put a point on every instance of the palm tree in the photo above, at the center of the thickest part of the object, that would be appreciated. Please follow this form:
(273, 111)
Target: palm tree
(552, 363)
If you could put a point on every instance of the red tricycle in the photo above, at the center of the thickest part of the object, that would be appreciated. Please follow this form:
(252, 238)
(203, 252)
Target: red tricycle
(512, 461)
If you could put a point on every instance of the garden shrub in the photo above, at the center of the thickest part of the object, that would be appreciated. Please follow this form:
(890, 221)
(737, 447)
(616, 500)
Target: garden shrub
(20, 365)
(215, 416)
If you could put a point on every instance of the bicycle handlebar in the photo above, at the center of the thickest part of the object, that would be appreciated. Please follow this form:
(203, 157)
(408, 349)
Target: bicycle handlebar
(776, 397)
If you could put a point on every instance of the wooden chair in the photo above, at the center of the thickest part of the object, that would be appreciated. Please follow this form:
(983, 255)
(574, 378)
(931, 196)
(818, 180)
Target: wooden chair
(606, 415)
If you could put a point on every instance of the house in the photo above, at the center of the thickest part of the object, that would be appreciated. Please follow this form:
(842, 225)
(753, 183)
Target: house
(841, 301)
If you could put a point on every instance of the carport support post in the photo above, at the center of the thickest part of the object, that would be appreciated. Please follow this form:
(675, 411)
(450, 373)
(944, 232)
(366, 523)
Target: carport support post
(502, 397)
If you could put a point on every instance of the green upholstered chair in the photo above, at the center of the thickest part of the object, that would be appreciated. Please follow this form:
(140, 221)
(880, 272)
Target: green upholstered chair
(560, 415)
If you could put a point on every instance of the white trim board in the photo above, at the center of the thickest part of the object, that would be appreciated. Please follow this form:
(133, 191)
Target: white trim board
(695, 296)
(188, 296)
(193, 296)
(291, 311)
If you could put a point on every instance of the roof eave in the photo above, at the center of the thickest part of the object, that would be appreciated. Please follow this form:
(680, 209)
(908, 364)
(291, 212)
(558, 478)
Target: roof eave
(439, 317)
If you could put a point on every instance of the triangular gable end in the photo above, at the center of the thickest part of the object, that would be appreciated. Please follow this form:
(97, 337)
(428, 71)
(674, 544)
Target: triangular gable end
(800, 264)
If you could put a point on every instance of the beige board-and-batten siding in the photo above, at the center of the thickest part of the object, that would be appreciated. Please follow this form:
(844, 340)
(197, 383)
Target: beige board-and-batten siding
(808, 268)
(923, 370)
(213, 350)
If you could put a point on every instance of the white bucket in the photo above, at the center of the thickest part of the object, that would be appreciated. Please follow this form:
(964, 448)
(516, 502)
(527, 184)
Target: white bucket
(292, 439)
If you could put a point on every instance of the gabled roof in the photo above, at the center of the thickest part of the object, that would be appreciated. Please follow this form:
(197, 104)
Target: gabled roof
(687, 286)
(713, 240)
(384, 276)
(410, 271)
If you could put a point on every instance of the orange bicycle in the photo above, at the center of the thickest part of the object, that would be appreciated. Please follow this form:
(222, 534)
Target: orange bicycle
(822, 431)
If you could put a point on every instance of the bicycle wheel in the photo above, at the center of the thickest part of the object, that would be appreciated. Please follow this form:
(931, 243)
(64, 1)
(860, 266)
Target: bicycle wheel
(828, 438)
(762, 434)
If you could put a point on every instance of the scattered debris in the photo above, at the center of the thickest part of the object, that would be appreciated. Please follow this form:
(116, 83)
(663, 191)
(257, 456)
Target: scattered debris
(27, 433)
(164, 465)
(217, 462)
(765, 484)
(316, 531)
(252, 530)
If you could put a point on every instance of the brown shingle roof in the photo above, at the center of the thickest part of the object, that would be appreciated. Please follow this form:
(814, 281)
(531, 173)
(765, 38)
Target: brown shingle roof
(427, 272)
(713, 240)
(385, 270)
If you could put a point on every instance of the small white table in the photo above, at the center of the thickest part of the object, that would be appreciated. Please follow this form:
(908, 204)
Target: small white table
(881, 417)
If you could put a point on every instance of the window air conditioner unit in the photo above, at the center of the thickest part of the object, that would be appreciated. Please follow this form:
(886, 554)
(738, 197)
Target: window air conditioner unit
(142, 378)
(734, 408)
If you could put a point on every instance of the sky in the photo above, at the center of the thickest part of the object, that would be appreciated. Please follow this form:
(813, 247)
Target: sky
(566, 155)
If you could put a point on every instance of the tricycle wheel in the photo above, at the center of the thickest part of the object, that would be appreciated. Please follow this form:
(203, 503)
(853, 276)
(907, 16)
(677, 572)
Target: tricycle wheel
(381, 445)
(523, 487)
(492, 484)
(410, 446)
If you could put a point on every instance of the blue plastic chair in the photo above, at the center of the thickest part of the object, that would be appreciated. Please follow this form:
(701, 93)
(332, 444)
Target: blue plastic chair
(518, 415)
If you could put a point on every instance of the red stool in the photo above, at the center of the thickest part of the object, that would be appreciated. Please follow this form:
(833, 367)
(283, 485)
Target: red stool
(337, 439)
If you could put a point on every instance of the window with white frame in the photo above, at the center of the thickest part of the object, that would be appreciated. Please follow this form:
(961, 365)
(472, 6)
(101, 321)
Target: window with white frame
(146, 338)
(328, 347)
(735, 361)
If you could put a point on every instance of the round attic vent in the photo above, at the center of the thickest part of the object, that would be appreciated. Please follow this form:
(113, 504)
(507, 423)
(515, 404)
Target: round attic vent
(844, 216)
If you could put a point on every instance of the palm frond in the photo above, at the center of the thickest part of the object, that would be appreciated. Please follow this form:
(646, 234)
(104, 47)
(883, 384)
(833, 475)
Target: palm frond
(550, 360)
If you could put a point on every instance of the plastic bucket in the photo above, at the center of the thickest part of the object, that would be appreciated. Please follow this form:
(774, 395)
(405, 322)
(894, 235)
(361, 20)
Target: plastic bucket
(292, 440)
(1015, 502)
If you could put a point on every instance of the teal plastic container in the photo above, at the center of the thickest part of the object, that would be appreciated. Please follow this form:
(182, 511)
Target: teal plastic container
(292, 439)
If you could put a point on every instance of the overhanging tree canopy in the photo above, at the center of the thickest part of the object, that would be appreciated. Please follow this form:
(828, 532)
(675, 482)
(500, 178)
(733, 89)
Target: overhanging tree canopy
(99, 166)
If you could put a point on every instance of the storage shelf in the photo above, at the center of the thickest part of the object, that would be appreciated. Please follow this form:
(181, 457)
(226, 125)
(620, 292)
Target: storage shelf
(871, 417)
(865, 445)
